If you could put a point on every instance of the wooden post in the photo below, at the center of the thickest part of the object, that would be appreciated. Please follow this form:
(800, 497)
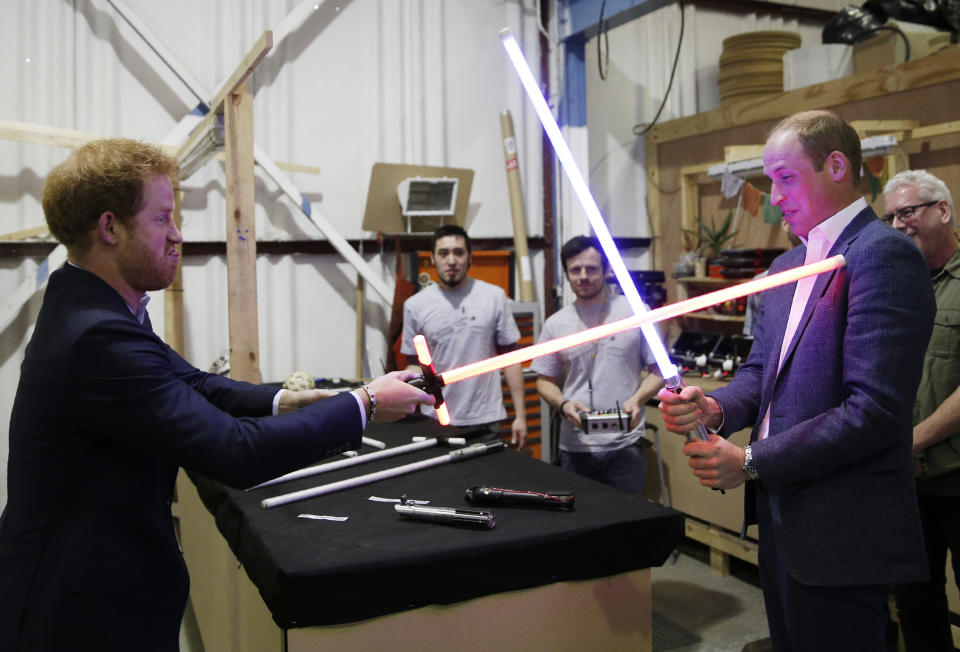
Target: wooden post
(173, 295)
(524, 269)
(241, 236)
(358, 300)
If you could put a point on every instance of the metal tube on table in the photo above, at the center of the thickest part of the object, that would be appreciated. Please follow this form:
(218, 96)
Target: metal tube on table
(473, 450)
(353, 461)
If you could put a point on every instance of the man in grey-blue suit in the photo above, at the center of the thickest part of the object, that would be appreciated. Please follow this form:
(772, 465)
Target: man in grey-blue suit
(828, 389)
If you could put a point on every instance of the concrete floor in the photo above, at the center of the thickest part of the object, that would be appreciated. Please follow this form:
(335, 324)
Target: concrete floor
(725, 613)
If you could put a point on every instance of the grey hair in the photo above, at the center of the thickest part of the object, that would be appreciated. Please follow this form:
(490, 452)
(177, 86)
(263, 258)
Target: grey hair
(928, 186)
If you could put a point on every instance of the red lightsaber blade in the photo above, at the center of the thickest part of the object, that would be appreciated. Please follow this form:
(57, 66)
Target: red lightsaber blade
(636, 321)
(430, 382)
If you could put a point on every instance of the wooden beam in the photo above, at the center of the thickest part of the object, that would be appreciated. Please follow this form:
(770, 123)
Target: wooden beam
(733, 153)
(297, 16)
(311, 247)
(233, 82)
(935, 130)
(25, 132)
(654, 217)
(12, 303)
(721, 543)
(25, 233)
(242, 71)
(871, 127)
(30, 133)
(241, 237)
(934, 69)
(173, 294)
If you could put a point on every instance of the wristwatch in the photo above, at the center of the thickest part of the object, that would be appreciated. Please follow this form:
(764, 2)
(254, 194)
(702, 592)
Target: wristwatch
(748, 466)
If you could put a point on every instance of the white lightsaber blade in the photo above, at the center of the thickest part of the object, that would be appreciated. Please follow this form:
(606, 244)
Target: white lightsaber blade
(353, 461)
(473, 450)
(650, 317)
(582, 191)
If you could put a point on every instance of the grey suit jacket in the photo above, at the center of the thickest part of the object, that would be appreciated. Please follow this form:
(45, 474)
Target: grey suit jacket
(837, 462)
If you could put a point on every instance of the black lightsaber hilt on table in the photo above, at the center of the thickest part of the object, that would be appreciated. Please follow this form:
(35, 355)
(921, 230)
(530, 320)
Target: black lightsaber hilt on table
(480, 495)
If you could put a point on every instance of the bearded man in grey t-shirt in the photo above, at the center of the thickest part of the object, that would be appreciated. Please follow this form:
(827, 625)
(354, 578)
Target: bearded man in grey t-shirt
(465, 320)
(601, 375)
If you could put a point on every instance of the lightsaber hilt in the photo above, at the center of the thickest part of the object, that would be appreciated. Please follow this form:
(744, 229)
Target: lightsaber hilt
(482, 495)
(429, 380)
(451, 515)
(675, 384)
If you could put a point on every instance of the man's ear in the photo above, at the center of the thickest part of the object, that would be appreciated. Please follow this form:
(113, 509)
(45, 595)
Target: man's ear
(107, 226)
(838, 165)
(945, 215)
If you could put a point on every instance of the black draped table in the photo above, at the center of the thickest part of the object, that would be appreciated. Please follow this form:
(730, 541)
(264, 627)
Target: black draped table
(323, 573)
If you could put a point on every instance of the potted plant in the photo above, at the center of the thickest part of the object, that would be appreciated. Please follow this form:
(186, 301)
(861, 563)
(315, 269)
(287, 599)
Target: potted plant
(712, 239)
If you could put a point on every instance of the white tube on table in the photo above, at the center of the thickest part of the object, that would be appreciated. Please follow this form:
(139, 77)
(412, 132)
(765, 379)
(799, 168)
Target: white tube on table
(353, 461)
(453, 456)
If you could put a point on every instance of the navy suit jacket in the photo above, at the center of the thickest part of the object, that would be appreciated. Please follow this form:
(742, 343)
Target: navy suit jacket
(837, 462)
(105, 412)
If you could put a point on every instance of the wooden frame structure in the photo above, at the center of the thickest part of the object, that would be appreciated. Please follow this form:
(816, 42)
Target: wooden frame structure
(917, 92)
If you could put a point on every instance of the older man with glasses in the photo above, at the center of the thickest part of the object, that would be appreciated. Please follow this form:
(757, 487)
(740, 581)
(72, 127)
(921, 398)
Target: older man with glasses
(919, 204)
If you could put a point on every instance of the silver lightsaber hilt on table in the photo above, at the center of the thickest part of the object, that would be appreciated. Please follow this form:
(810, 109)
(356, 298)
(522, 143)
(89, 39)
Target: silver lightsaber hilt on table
(449, 515)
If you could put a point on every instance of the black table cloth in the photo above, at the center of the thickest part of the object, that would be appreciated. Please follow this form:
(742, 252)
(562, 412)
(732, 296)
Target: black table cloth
(315, 572)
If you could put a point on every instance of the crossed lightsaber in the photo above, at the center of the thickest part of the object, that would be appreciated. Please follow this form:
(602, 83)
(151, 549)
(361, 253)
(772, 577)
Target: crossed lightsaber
(433, 382)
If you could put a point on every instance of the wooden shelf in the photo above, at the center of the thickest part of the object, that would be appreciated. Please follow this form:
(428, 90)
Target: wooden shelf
(710, 280)
(703, 314)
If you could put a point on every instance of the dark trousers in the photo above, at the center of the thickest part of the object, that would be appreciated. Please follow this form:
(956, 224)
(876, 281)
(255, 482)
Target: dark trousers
(922, 606)
(622, 468)
(806, 618)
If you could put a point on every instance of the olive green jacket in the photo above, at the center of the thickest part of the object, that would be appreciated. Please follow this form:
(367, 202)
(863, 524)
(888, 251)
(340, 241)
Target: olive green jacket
(941, 377)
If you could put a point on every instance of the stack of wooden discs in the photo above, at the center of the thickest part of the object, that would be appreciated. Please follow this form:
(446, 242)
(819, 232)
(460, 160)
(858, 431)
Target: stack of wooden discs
(751, 64)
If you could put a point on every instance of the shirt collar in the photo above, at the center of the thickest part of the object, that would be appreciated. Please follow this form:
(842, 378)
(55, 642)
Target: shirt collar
(953, 265)
(831, 228)
(140, 313)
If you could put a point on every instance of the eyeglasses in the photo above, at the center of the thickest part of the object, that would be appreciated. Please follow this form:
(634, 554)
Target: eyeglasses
(907, 212)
